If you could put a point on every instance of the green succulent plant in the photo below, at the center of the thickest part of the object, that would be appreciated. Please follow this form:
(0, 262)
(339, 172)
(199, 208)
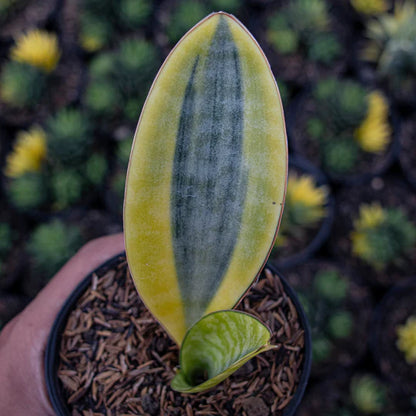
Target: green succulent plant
(102, 66)
(325, 307)
(340, 325)
(67, 186)
(102, 97)
(137, 62)
(22, 85)
(134, 13)
(304, 25)
(51, 245)
(342, 104)
(68, 138)
(339, 155)
(368, 394)
(119, 79)
(391, 46)
(382, 236)
(95, 32)
(29, 191)
(325, 48)
(331, 286)
(347, 122)
(321, 349)
(101, 20)
(185, 15)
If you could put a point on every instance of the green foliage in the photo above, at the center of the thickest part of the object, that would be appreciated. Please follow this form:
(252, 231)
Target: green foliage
(101, 97)
(134, 13)
(341, 104)
(340, 155)
(390, 240)
(96, 168)
(321, 349)
(392, 47)
(68, 138)
(315, 128)
(304, 25)
(22, 85)
(137, 62)
(6, 239)
(331, 286)
(51, 245)
(340, 108)
(184, 16)
(67, 188)
(340, 325)
(325, 48)
(324, 303)
(368, 395)
(103, 65)
(100, 20)
(28, 191)
(230, 6)
(95, 32)
(119, 80)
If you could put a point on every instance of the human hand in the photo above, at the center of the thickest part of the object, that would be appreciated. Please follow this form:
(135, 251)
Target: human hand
(23, 340)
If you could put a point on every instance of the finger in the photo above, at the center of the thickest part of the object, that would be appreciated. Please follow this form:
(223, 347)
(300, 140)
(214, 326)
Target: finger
(50, 300)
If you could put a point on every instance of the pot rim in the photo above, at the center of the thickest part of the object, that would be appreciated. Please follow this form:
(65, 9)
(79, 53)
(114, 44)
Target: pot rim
(52, 355)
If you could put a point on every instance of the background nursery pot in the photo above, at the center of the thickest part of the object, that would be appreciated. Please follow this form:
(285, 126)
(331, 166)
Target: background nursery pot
(302, 249)
(393, 312)
(252, 405)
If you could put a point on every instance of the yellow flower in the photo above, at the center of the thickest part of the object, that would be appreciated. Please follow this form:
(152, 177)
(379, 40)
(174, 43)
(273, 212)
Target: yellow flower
(37, 48)
(360, 246)
(28, 153)
(370, 7)
(91, 43)
(303, 195)
(373, 134)
(406, 339)
(370, 216)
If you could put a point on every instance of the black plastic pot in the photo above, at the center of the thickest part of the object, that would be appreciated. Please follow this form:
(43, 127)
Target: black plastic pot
(52, 350)
(395, 307)
(324, 231)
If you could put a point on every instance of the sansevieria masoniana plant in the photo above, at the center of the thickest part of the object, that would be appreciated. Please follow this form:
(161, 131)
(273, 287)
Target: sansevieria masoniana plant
(204, 196)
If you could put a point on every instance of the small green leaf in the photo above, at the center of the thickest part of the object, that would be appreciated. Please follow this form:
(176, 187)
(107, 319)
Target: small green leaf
(216, 346)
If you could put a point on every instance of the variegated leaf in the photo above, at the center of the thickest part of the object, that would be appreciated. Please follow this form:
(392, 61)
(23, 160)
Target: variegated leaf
(207, 175)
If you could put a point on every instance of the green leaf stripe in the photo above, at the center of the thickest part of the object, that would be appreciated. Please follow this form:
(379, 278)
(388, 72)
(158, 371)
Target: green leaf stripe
(209, 182)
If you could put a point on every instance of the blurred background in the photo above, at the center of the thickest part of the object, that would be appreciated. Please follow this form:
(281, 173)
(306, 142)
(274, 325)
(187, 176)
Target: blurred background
(73, 77)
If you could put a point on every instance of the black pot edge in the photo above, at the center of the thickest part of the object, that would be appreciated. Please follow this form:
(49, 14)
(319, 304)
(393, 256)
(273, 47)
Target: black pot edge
(307, 363)
(51, 356)
(324, 230)
(378, 315)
